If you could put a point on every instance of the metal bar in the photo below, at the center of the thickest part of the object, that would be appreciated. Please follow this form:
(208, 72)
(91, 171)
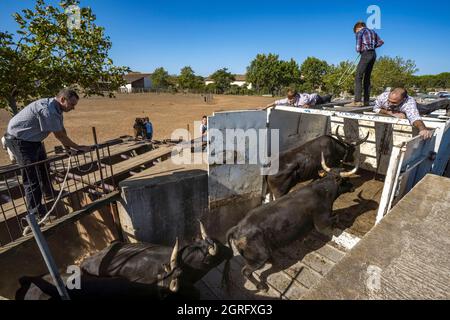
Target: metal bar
(6, 224)
(111, 166)
(38, 176)
(116, 217)
(14, 205)
(35, 163)
(94, 133)
(46, 254)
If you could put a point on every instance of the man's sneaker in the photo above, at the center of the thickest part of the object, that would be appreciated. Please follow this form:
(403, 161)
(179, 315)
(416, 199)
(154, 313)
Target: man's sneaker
(354, 104)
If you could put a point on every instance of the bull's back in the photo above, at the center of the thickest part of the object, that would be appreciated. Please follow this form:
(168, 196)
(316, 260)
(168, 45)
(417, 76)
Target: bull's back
(283, 220)
(135, 262)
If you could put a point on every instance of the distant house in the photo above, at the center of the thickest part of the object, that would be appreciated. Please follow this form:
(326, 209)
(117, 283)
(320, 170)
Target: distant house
(241, 81)
(136, 81)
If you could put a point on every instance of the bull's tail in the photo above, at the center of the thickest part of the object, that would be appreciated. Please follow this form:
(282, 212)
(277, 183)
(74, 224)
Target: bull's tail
(226, 277)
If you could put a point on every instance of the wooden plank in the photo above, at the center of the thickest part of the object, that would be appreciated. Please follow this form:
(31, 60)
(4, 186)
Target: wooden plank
(68, 219)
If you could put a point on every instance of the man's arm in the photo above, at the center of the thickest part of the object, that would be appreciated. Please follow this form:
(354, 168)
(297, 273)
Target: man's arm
(423, 130)
(378, 41)
(359, 41)
(68, 143)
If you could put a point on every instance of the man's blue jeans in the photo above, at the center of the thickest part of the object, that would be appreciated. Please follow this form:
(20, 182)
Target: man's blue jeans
(35, 178)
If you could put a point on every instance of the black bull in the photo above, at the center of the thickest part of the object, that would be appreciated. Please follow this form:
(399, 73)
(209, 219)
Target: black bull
(93, 288)
(144, 262)
(303, 163)
(139, 270)
(287, 219)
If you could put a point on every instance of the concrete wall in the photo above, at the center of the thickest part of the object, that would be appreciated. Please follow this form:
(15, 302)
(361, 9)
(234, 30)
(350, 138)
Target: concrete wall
(164, 202)
(69, 245)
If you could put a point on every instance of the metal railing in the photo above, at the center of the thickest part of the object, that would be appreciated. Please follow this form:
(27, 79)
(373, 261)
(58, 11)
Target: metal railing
(89, 176)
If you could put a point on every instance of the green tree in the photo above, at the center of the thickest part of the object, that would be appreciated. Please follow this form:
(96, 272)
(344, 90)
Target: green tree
(392, 72)
(313, 71)
(290, 74)
(160, 78)
(425, 82)
(222, 80)
(188, 80)
(269, 74)
(47, 53)
(340, 78)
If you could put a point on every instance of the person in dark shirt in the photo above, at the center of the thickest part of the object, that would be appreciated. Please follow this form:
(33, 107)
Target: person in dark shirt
(367, 41)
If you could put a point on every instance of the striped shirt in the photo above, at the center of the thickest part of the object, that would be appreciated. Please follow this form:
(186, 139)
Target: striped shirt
(408, 107)
(300, 100)
(35, 122)
(367, 39)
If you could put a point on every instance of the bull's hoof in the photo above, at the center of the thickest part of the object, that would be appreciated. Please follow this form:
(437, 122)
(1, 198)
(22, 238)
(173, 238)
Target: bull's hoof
(262, 287)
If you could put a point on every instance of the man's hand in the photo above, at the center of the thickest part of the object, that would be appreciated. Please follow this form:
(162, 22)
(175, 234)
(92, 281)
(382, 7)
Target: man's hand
(425, 134)
(306, 106)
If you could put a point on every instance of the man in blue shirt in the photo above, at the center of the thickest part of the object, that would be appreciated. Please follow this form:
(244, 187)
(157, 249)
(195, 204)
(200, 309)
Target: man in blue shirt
(25, 134)
(148, 129)
(367, 41)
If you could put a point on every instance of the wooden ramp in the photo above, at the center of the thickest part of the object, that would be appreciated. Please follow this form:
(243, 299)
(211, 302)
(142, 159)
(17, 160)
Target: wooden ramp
(406, 256)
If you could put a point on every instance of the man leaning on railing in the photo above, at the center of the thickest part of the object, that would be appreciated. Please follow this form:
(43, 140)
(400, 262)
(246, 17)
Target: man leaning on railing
(25, 134)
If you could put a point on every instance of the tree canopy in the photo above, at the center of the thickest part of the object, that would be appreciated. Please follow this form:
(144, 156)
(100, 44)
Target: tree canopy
(160, 78)
(222, 80)
(269, 74)
(47, 53)
(313, 71)
(188, 80)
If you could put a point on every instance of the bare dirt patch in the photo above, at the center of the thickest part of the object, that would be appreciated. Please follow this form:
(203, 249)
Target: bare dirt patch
(115, 117)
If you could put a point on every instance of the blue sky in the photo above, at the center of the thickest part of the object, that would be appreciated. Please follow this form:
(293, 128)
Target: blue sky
(208, 35)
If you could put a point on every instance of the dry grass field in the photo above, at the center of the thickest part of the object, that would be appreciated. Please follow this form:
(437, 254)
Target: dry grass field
(115, 117)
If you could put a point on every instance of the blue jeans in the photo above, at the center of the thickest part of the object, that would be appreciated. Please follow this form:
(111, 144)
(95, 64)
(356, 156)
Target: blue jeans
(35, 179)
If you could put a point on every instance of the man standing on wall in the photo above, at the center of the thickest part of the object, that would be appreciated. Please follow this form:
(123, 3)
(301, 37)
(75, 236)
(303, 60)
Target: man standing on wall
(367, 41)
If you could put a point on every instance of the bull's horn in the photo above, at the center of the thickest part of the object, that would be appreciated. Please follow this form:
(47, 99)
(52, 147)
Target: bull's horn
(173, 258)
(203, 231)
(350, 173)
(213, 249)
(174, 285)
(338, 136)
(324, 164)
(360, 142)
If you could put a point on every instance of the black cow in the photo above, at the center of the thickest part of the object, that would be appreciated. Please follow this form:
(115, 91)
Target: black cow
(287, 219)
(142, 262)
(93, 288)
(303, 163)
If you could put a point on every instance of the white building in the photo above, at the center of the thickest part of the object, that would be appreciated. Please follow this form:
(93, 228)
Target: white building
(136, 81)
(241, 81)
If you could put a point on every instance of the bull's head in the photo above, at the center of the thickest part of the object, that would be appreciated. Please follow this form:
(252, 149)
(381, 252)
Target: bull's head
(200, 257)
(350, 147)
(172, 271)
(340, 176)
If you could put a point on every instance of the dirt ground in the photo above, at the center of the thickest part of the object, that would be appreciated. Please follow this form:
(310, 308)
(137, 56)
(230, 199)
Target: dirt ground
(115, 117)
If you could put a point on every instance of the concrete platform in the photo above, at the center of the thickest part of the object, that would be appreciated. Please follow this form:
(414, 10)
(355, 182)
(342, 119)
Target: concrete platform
(164, 202)
(406, 256)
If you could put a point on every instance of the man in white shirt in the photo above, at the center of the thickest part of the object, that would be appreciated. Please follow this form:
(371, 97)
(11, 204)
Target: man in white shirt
(398, 104)
(301, 100)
